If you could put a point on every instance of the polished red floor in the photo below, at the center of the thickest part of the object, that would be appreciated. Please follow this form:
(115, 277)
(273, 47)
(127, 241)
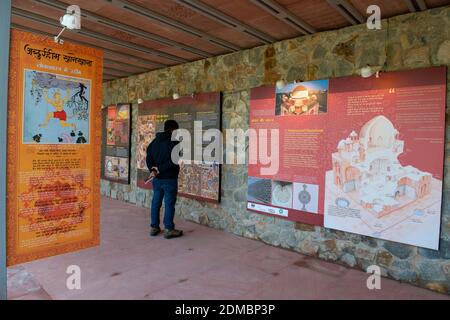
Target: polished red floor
(204, 264)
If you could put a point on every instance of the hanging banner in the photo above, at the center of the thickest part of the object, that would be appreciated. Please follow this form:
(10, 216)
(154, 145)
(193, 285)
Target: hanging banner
(54, 139)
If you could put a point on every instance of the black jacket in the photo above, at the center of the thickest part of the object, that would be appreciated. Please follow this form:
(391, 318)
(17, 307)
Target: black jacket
(159, 154)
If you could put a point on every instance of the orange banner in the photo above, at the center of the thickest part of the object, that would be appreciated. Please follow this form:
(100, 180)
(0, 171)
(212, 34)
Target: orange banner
(54, 139)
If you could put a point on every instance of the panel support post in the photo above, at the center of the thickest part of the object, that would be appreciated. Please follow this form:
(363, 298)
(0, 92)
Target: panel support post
(5, 29)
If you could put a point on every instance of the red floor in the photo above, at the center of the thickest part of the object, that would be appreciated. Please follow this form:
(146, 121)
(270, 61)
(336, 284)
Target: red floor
(204, 264)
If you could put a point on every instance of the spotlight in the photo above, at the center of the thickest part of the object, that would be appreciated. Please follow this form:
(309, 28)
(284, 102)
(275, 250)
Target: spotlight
(176, 96)
(140, 101)
(71, 20)
(281, 84)
(366, 72)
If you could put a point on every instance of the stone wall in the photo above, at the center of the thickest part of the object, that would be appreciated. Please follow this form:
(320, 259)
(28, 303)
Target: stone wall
(405, 42)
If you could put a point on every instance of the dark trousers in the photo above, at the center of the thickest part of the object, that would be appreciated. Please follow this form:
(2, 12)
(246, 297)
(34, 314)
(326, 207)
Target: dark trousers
(166, 189)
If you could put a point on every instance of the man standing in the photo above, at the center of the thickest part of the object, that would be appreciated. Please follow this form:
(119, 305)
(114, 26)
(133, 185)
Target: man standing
(164, 173)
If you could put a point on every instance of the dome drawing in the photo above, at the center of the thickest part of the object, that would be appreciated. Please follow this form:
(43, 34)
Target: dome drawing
(378, 132)
(300, 92)
(341, 144)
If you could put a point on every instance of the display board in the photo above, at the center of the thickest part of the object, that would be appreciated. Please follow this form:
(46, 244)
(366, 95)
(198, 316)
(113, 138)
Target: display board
(385, 156)
(365, 158)
(116, 143)
(199, 179)
(54, 137)
(298, 112)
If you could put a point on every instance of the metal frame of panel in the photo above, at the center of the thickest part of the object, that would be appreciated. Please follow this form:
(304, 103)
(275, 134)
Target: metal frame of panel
(5, 21)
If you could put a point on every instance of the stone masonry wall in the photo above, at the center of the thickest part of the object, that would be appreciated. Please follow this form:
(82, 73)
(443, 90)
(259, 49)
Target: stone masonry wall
(405, 42)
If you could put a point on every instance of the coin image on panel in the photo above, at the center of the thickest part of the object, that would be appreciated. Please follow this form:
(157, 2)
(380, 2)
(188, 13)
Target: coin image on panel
(282, 194)
(306, 197)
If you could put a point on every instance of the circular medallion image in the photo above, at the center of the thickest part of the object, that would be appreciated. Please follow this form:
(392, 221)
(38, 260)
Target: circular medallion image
(282, 194)
(304, 197)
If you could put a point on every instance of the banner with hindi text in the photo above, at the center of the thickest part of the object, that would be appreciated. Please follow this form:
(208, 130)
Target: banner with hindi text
(54, 139)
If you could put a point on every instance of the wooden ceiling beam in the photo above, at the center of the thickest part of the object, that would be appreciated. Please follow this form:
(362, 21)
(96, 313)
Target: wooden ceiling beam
(118, 64)
(228, 21)
(90, 16)
(347, 10)
(284, 15)
(161, 19)
(109, 77)
(94, 35)
(130, 59)
(416, 5)
(115, 72)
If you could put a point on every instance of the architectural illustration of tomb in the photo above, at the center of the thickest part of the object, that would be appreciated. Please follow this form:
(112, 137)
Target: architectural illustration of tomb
(366, 167)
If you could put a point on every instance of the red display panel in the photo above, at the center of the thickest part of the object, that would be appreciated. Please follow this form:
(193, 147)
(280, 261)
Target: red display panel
(368, 151)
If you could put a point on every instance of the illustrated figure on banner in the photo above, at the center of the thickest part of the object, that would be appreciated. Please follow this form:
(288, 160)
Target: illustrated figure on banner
(59, 113)
(56, 109)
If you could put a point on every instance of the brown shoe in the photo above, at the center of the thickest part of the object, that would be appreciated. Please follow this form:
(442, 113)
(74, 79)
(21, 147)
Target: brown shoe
(169, 234)
(154, 232)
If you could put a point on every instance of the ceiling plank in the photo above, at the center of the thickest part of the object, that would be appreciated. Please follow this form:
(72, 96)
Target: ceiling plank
(416, 5)
(118, 64)
(410, 5)
(130, 59)
(99, 36)
(109, 76)
(226, 20)
(90, 16)
(281, 13)
(422, 5)
(119, 73)
(347, 10)
(159, 18)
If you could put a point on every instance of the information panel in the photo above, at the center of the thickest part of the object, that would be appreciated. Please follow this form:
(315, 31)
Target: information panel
(116, 143)
(386, 156)
(198, 179)
(297, 114)
(362, 155)
(54, 137)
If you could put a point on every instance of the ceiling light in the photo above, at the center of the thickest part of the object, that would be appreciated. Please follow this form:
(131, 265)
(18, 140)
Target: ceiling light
(281, 84)
(71, 20)
(366, 72)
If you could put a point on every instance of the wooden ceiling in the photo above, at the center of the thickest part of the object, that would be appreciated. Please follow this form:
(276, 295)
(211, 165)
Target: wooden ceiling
(142, 35)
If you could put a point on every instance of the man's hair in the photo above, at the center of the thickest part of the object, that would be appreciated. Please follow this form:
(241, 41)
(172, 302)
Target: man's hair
(171, 125)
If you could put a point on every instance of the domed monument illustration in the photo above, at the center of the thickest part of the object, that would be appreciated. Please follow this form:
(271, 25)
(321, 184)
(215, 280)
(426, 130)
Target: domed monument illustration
(366, 167)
